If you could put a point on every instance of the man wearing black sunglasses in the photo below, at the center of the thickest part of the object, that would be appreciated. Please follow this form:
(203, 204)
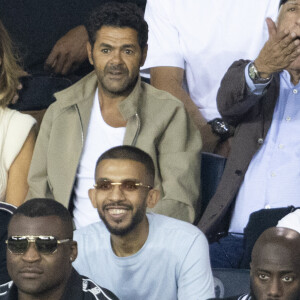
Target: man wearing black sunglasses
(145, 256)
(40, 252)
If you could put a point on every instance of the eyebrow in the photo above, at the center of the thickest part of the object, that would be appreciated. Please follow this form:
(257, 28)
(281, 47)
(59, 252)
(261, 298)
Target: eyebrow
(293, 3)
(105, 45)
(123, 46)
(281, 272)
(125, 179)
(128, 46)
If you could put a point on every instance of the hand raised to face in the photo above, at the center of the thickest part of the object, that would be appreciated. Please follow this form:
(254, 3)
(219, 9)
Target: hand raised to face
(280, 51)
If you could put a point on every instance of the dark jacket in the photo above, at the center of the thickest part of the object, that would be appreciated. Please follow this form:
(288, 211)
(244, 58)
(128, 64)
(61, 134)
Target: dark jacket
(78, 288)
(252, 117)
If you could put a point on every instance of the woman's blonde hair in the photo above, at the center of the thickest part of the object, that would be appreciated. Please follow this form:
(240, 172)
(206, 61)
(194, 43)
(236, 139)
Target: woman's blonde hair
(10, 71)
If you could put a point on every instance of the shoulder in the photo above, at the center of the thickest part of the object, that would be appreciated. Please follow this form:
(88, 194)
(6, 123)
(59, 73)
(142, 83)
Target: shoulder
(18, 121)
(157, 95)
(159, 104)
(94, 232)
(5, 290)
(15, 129)
(174, 229)
(80, 91)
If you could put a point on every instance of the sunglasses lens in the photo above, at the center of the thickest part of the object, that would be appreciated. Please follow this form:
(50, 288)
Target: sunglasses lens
(104, 185)
(46, 245)
(129, 185)
(17, 245)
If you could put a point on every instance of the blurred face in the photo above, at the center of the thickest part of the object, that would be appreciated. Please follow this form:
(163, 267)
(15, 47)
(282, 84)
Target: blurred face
(117, 58)
(35, 273)
(289, 18)
(275, 274)
(121, 209)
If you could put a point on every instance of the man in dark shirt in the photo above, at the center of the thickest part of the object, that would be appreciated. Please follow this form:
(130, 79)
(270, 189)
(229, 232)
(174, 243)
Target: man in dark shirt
(40, 252)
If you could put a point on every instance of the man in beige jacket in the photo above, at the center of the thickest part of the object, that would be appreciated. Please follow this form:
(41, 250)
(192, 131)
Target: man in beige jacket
(110, 107)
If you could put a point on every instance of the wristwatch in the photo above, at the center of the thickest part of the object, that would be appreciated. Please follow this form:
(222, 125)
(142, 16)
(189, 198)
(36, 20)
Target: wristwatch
(221, 128)
(255, 76)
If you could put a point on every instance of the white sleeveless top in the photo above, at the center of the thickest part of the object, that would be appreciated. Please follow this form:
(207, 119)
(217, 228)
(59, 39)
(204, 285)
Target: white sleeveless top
(14, 129)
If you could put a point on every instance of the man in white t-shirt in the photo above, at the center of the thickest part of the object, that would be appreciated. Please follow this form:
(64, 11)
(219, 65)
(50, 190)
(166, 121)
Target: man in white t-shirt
(111, 107)
(195, 42)
(134, 254)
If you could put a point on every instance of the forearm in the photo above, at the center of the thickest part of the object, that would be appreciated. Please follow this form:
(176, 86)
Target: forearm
(169, 79)
(17, 186)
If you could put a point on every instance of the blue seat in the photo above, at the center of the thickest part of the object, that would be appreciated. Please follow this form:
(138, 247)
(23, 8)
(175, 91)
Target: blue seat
(212, 168)
(231, 282)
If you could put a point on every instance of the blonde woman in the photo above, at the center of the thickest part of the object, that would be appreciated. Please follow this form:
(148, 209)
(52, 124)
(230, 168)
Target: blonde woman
(17, 136)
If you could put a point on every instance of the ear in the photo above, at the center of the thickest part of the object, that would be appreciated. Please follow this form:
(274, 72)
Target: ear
(89, 52)
(152, 198)
(92, 196)
(144, 55)
(74, 251)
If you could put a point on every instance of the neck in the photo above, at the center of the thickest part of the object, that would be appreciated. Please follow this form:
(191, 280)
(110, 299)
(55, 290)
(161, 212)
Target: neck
(132, 242)
(295, 76)
(109, 106)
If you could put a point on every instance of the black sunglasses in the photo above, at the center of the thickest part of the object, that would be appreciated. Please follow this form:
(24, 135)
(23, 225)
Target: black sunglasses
(43, 244)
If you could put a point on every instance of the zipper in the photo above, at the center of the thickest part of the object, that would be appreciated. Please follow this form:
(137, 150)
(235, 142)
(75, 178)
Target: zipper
(80, 124)
(71, 197)
(138, 123)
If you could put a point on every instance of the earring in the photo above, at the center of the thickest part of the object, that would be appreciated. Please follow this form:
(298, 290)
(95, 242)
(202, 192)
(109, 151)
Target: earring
(71, 258)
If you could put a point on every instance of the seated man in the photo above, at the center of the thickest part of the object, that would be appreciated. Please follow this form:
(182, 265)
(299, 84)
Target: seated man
(145, 256)
(40, 252)
(262, 100)
(111, 107)
(275, 266)
(292, 221)
(192, 44)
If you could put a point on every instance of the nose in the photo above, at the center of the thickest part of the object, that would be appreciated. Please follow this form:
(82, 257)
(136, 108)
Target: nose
(32, 254)
(275, 288)
(116, 193)
(116, 57)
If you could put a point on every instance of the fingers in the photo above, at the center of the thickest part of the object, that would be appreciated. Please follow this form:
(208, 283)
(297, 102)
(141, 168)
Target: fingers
(272, 29)
(51, 60)
(16, 96)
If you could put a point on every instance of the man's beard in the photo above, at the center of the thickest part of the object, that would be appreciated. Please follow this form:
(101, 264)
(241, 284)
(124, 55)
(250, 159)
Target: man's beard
(122, 89)
(137, 218)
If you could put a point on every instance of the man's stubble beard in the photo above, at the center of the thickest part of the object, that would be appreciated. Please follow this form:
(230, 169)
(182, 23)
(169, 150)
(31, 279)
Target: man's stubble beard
(123, 90)
(137, 218)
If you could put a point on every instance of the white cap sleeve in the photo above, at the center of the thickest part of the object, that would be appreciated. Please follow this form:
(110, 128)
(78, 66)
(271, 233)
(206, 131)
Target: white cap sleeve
(18, 128)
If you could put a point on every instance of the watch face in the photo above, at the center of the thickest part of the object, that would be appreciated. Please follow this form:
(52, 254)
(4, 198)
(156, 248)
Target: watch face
(252, 72)
(221, 127)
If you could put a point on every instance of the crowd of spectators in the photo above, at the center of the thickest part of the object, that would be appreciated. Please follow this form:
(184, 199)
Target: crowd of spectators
(121, 158)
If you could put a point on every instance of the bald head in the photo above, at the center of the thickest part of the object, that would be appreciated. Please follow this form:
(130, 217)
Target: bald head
(274, 237)
(275, 265)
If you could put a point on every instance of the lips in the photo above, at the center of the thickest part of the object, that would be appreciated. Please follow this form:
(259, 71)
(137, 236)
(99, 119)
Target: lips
(31, 272)
(117, 212)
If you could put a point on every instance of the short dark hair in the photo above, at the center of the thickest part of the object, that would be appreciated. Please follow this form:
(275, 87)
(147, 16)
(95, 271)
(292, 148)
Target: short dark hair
(117, 14)
(282, 2)
(44, 207)
(131, 153)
